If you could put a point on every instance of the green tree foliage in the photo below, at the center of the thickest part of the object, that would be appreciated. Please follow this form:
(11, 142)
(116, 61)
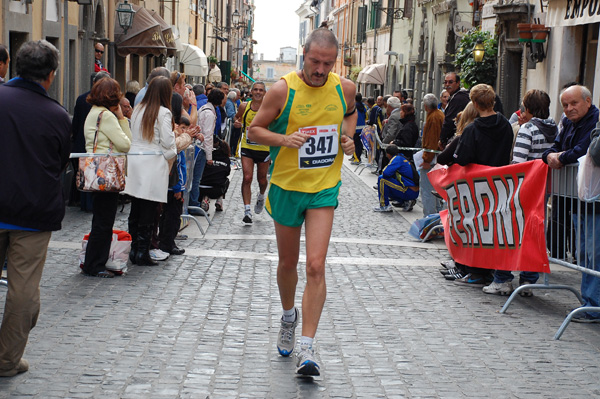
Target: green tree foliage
(472, 72)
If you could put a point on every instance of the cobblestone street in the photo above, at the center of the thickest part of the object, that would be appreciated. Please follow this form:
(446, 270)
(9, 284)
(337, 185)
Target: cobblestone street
(204, 325)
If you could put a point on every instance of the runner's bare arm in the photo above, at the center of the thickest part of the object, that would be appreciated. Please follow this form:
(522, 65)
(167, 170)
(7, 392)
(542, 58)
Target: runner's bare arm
(271, 107)
(349, 123)
(237, 120)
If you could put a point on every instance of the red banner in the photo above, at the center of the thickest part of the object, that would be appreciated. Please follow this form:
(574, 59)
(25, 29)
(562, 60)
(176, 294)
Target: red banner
(495, 216)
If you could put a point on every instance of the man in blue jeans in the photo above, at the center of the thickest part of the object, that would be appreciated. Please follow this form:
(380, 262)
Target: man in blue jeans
(199, 164)
(572, 143)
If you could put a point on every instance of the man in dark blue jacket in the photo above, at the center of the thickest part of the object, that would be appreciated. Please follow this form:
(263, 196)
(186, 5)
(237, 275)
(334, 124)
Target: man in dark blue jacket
(574, 139)
(572, 143)
(34, 150)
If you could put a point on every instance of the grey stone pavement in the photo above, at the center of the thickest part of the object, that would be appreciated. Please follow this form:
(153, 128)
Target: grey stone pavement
(204, 325)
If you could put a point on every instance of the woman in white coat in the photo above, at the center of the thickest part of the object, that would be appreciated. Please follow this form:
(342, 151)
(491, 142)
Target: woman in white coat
(148, 175)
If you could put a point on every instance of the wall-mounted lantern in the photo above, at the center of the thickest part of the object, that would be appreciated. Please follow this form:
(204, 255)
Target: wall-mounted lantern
(125, 15)
(478, 51)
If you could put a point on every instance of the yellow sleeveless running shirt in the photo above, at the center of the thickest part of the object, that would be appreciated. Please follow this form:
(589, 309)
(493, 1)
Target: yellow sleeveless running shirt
(319, 111)
(247, 118)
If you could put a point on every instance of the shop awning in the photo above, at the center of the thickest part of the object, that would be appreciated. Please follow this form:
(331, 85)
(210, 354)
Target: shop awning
(194, 60)
(372, 74)
(571, 13)
(143, 38)
(167, 34)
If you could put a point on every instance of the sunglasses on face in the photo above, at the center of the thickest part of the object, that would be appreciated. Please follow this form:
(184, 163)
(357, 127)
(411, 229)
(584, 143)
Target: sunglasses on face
(449, 82)
(99, 51)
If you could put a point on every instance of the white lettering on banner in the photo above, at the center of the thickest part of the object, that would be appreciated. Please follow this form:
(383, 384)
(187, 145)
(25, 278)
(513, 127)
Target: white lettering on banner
(488, 214)
(572, 12)
(321, 148)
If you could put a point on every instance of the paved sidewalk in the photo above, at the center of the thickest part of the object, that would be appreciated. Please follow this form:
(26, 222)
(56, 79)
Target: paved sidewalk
(204, 325)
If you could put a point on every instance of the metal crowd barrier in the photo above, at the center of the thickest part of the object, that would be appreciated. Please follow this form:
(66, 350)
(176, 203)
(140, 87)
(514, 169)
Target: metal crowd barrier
(374, 162)
(567, 219)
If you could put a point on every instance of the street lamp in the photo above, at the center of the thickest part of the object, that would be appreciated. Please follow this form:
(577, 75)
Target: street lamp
(235, 17)
(125, 14)
(478, 51)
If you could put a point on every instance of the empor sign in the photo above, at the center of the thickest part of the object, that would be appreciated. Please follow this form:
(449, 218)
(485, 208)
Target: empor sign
(462, 27)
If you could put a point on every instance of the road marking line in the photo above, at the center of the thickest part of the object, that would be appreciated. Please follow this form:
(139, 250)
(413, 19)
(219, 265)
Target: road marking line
(272, 257)
(436, 244)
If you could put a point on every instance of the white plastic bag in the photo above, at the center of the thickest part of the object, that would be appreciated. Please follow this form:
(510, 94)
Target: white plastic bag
(119, 251)
(588, 179)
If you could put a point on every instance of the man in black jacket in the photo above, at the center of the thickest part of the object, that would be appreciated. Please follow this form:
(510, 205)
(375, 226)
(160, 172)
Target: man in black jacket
(459, 98)
(34, 150)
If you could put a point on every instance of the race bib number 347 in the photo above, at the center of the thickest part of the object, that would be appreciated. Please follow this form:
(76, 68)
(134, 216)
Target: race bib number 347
(320, 149)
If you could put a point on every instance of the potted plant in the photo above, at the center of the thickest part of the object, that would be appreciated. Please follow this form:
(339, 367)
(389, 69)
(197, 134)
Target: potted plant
(539, 33)
(212, 59)
(348, 61)
(525, 33)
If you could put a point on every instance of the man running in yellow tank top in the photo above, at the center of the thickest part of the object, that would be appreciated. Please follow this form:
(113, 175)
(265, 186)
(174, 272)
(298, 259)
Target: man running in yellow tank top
(252, 153)
(308, 119)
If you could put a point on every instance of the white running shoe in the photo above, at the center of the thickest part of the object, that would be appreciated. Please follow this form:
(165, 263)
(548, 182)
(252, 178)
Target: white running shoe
(306, 363)
(287, 336)
(157, 254)
(505, 288)
(247, 220)
(260, 204)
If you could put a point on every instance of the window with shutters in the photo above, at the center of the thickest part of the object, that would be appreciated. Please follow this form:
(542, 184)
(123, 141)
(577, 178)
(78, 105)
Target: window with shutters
(361, 32)
(408, 9)
(375, 17)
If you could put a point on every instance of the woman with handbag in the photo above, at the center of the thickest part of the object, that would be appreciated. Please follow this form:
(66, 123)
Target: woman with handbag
(105, 130)
(148, 175)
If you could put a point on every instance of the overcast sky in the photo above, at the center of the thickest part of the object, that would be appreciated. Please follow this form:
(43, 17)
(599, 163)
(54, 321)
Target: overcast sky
(275, 26)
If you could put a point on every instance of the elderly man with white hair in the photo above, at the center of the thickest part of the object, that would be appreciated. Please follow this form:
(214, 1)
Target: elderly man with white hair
(392, 125)
(431, 136)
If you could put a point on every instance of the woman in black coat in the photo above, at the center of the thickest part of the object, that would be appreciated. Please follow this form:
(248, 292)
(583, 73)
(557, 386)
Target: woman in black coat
(409, 133)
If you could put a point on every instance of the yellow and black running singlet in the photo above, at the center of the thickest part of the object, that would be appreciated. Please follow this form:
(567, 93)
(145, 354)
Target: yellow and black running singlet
(247, 118)
(318, 111)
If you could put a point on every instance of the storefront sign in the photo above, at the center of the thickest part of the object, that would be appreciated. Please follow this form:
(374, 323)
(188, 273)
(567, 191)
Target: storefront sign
(462, 27)
(572, 12)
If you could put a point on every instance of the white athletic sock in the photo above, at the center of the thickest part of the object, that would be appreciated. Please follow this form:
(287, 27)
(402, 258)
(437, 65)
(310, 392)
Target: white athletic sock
(289, 316)
(261, 196)
(247, 207)
(306, 341)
